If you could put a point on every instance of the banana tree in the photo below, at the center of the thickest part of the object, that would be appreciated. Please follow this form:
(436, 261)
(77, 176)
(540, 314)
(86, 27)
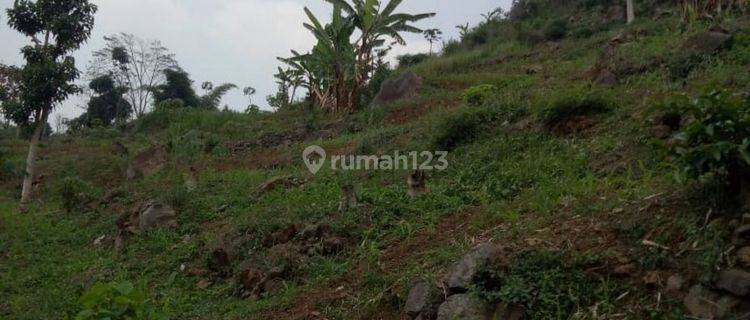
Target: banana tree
(376, 24)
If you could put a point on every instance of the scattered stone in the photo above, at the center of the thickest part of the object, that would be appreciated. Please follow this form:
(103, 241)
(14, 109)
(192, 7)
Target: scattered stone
(204, 283)
(741, 235)
(285, 182)
(662, 131)
(652, 279)
(709, 42)
(462, 273)
(424, 299)
(734, 281)
(252, 281)
(219, 262)
(98, 241)
(147, 163)
(349, 199)
(403, 86)
(606, 78)
(281, 236)
(191, 180)
(417, 183)
(316, 231)
(674, 283)
(625, 270)
(156, 215)
(703, 303)
(534, 69)
(332, 245)
(464, 307)
(273, 286)
(743, 257)
(507, 311)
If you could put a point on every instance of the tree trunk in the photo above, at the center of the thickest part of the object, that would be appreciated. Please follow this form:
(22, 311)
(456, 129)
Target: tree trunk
(631, 11)
(28, 179)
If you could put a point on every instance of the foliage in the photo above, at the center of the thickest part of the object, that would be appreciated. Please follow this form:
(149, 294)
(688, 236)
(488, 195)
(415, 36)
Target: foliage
(407, 60)
(10, 81)
(477, 95)
(555, 30)
(432, 36)
(542, 283)
(170, 104)
(716, 137)
(134, 64)
(117, 301)
(74, 194)
(105, 108)
(461, 128)
(177, 86)
(569, 105)
(212, 98)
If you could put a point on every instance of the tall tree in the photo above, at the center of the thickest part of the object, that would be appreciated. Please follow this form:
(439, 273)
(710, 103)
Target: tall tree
(108, 104)
(212, 98)
(55, 29)
(631, 11)
(135, 64)
(432, 36)
(177, 86)
(10, 85)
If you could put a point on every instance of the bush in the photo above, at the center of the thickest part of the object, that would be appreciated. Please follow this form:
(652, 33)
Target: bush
(74, 194)
(542, 283)
(408, 60)
(462, 128)
(574, 104)
(716, 137)
(681, 64)
(478, 95)
(117, 301)
(555, 30)
(170, 104)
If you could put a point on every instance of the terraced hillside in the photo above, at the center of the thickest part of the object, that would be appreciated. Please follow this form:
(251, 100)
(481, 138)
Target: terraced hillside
(558, 158)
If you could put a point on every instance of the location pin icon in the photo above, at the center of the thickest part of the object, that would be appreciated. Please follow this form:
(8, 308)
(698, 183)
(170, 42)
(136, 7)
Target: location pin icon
(314, 158)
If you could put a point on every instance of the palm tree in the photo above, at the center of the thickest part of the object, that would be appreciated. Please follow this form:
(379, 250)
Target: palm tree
(213, 95)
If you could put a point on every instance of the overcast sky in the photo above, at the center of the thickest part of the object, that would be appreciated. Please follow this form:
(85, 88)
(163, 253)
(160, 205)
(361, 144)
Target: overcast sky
(233, 41)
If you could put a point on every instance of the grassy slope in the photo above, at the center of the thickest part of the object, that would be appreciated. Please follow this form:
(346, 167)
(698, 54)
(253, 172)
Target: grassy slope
(514, 184)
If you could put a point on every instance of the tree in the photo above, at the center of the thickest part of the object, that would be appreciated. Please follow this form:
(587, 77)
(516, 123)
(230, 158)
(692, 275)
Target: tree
(631, 11)
(107, 106)
(432, 36)
(492, 15)
(55, 28)
(135, 64)
(212, 98)
(177, 86)
(10, 86)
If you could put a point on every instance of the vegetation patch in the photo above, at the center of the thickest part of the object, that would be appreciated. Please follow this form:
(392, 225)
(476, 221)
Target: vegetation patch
(569, 112)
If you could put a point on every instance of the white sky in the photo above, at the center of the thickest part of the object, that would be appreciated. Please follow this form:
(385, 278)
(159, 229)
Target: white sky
(233, 41)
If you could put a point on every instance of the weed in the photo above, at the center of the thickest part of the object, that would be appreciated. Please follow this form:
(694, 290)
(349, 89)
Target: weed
(570, 105)
(75, 194)
(478, 95)
(117, 301)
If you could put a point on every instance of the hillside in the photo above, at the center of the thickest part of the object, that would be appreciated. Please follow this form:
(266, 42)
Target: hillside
(558, 157)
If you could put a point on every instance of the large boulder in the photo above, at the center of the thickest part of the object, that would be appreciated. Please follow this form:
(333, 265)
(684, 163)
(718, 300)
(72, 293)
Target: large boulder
(155, 214)
(463, 307)
(708, 42)
(734, 281)
(462, 273)
(147, 162)
(400, 87)
(423, 300)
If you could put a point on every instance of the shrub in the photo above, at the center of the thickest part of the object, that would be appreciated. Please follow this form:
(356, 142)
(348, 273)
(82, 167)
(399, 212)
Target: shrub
(555, 30)
(170, 104)
(573, 104)
(542, 283)
(716, 136)
(681, 64)
(408, 60)
(462, 128)
(117, 301)
(74, 194)
(478, 95)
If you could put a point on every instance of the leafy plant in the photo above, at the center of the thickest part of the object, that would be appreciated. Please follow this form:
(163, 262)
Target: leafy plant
(117, 301)
(555, 30)
(461, 128)
(477, 95)
(408, 60)
(74, 194)
(716, 137)
(573, 104)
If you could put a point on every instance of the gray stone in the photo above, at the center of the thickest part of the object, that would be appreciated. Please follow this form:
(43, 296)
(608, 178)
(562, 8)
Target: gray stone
(703, 303)
(734, 281)
(709, 42)
(400, 87)
(743, 257)
(463, 307)
(606, 78)
(424, 299)
(463, 272)
(156, 215)
(507, 311)
(147, 162)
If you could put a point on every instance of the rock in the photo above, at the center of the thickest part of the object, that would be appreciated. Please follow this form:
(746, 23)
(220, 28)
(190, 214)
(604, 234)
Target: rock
(662, 131)
(219, 262)
(507, 311)
(534, 69)
(147, 162)
(652, 279)
(674, 284)
(743, 257)
(332, 245)
(285, 182)
(280, 236)
(703, 303)
(403, 86)
(204, 283)
(625, 270)
(708, 42)
(464, 307)
(606, 78)
(252, 281)
(274, 286)
(741, 235)
(156, 215)
(316, 231)
(416, 183)
(191, 180)
(734, 281)
(424, 299)
(462, 273)
(120, 149)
